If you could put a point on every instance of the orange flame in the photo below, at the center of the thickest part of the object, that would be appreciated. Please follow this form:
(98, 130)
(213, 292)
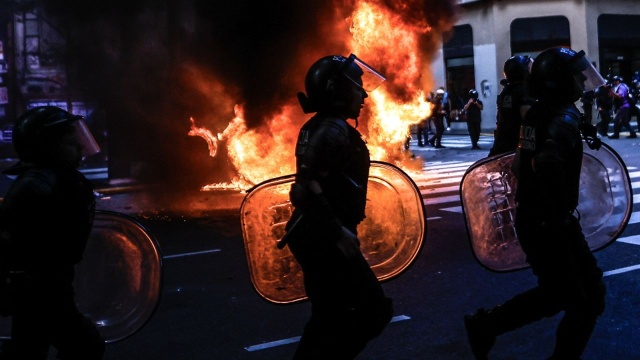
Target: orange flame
(257, 155)
(381, 37)
(207, 135)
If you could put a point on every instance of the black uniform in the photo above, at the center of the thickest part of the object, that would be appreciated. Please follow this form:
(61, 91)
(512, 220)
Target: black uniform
(604, 103)
(47, 216)
(349, 306)
(474, 121)
(509, 118)
(437, 115)
(547, 165)
(587, 105)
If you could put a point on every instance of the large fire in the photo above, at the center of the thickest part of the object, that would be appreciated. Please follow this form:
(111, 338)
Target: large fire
(380, 35)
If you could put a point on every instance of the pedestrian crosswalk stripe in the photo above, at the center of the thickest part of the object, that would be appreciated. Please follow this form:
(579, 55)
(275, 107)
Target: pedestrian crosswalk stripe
(635, 239)
(453, 209)
(442, 199)
(438, 189)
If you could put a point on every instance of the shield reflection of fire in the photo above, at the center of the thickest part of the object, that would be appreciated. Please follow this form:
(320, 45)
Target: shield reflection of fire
(388, 36)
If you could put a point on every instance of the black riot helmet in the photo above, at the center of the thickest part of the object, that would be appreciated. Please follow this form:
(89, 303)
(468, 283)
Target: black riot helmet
(516, 68)
(36, 130)
(327, 79)
(561, 75)
(473, 94)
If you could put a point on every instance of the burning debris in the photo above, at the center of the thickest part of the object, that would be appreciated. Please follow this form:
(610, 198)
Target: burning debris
(235, 68)
(398, 37)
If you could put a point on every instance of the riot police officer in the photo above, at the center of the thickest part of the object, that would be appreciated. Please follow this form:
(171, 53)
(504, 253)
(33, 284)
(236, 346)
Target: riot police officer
(547, 166)
(513, 103)
(438, 113)
(604, 103)
(47, 215)
(473, 108)
(349, 306)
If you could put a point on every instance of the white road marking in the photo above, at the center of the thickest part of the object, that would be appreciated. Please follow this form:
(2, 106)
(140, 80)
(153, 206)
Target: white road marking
(453, 209)
(621, 270)
(191, 254)
(442, 199)
(634, 239)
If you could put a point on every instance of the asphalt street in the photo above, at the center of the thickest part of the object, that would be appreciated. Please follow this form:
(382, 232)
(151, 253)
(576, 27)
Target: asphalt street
(209, 309)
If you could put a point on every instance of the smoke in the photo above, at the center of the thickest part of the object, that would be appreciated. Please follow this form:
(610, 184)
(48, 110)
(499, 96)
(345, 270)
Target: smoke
(155, 64)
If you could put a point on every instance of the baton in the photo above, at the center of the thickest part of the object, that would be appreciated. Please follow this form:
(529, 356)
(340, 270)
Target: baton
(285, 238)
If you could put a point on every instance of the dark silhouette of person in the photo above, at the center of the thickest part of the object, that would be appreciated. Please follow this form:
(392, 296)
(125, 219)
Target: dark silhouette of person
(473, 108)
(47, 215)
(438, 113)
(604, 104)
(622, 108)
(422, 131)
(634, 94)
(348, 304)
(513, 103)
(587, 100)
(547, 166)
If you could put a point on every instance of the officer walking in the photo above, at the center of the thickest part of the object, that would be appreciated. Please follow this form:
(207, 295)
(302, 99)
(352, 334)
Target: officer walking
(47, 215)
(348, 304)
(513, 103)
(547, 166)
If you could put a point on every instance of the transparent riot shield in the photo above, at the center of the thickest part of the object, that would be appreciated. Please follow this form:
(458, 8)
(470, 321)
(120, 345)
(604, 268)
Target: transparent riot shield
(391, 236)
(487, 193)
(118, 281)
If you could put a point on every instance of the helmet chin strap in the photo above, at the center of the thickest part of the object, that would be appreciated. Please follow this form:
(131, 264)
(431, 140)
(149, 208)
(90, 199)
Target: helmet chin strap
(306, 104)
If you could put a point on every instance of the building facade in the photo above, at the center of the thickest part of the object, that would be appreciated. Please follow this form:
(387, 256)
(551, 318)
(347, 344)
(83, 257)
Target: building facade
(488, 32)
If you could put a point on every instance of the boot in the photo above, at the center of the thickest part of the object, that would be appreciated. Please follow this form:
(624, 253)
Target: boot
(480, 334)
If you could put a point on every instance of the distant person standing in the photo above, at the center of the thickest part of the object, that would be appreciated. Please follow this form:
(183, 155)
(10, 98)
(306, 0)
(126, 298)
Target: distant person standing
(473, 108)
(446, 106)
(634, 94)
(587, 105)
(438, 113)
(512, 103)
(622, 108)
(604, 104)
(422, 130)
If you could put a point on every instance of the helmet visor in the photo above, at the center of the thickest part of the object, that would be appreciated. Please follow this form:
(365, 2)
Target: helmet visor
(586, 72)
(85, 139)
(370, 78)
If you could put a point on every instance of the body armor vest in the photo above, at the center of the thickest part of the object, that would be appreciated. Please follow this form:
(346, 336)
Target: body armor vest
(330, 144)
(509, 119)
(549, 159)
